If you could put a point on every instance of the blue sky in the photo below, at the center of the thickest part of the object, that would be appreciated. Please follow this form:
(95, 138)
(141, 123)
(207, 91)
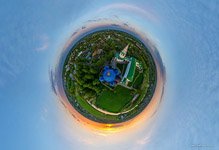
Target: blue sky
(32, 35)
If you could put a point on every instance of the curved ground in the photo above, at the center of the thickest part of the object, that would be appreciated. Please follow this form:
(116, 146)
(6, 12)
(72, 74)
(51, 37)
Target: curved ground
(88, 96)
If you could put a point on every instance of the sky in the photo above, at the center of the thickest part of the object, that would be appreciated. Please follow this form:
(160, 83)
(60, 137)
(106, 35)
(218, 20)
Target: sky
(34, 33)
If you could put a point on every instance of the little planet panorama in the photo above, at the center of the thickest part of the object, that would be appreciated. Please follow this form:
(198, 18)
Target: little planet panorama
(109, 76)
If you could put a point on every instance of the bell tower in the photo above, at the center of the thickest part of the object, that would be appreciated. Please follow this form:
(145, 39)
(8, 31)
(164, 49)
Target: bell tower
(123, 53)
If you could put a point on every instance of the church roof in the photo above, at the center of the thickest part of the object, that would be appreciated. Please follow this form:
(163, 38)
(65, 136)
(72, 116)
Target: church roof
(109, 75)
(130, 70)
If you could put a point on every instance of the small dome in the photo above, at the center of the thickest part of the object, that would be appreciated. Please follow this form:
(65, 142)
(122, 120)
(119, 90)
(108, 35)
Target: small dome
(109, 75)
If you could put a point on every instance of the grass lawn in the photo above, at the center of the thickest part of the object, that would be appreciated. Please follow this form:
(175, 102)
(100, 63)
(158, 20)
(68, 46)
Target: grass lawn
(93, 111)
(114, 101)
(138, 79)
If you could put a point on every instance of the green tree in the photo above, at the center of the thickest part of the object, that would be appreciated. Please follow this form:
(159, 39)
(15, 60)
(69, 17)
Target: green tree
(96, 82)
(89, 76)
(93, 70)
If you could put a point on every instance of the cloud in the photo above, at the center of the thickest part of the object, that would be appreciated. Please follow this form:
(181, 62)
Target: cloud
(143, 140)
(129, 7)
(11, 65)
(86, 141)
(42, 42)
(44, 114)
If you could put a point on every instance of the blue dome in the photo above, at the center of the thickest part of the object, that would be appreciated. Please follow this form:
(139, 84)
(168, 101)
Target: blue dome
(109, 75)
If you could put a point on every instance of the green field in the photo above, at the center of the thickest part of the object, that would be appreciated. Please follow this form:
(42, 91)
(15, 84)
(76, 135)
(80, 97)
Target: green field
(114, 101)
(138, 79)
(89, 109)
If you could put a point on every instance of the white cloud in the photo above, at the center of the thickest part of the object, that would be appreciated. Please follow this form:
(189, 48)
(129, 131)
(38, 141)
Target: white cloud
(130, 7)
(44, 114)
(43, 42)
(143, 140)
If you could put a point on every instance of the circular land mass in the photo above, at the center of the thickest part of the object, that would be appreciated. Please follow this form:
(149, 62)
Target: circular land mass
(109, 76)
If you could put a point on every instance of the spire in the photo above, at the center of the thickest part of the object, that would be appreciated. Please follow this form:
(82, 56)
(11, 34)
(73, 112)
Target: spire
(123, 52)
